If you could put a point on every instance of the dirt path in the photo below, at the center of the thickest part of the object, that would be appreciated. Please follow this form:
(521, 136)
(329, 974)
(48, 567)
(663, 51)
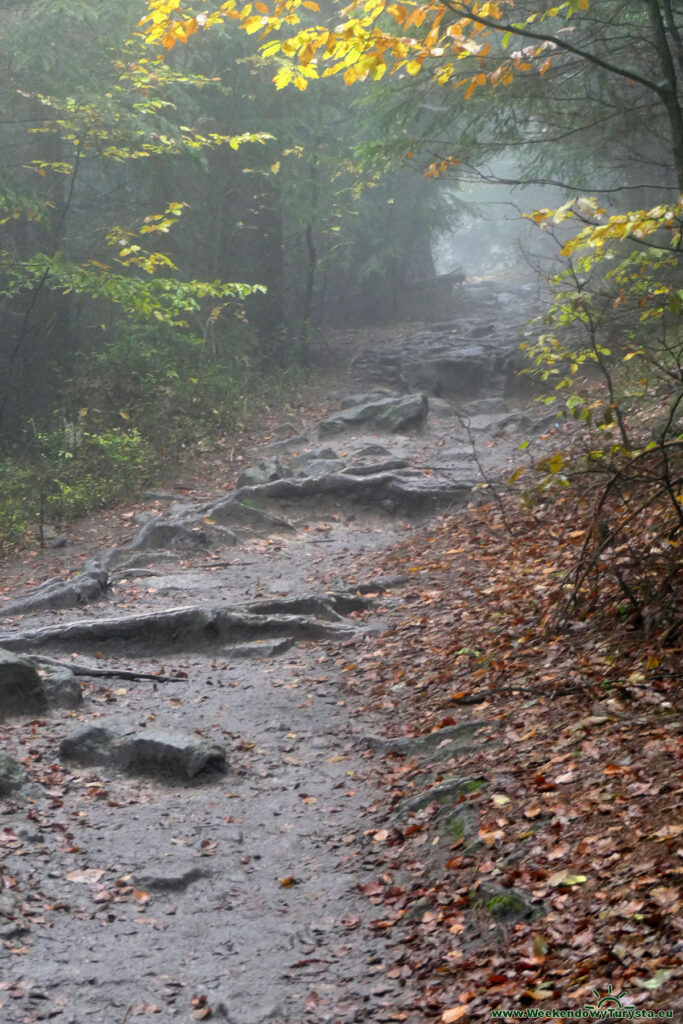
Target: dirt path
(134, 890)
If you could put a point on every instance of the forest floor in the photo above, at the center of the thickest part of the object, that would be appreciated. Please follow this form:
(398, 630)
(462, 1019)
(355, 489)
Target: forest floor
(470, 804)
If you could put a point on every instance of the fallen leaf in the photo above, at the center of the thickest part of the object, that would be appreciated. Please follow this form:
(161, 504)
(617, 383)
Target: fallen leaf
(86, 876)
(455, 1013)
(566, 878)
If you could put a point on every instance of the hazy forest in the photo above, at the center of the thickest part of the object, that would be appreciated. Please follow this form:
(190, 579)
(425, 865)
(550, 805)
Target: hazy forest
(174, 224)
(366, 319)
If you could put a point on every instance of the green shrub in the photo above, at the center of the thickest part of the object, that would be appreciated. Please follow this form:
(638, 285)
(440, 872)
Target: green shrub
(65, 473)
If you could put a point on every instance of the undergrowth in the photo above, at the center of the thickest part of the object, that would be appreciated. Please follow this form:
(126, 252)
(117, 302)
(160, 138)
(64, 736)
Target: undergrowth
(145, 404)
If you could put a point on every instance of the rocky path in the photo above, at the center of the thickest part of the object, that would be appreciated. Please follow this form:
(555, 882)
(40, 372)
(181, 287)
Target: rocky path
(185, 804)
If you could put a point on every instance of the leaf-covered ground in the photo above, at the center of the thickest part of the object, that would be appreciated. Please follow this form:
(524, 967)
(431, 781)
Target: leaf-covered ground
(555, 877)
(581, 806)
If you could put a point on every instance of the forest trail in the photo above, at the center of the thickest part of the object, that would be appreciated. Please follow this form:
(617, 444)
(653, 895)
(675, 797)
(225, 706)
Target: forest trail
(206, 856)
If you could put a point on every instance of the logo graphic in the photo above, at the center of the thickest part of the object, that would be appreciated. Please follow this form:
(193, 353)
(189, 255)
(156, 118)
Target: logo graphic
(609, 1001)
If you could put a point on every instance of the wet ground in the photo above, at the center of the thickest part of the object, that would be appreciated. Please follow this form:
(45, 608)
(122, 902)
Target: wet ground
(234, 896)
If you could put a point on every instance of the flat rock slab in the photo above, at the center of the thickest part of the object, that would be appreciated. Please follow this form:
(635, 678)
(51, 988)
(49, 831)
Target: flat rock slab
(390, 414)
(407, 490)
(240, 515)
(149, 752)
(21, 687)
(378, 394)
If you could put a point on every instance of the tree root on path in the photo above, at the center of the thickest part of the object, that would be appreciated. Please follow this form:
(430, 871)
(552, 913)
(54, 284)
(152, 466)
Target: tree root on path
(180, 626)
(104, 673)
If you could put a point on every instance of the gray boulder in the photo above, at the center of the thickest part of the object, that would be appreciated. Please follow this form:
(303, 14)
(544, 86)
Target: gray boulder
(486, 406)
(460, 373)
(159, 535)
(392, 415)
(167, 753)
(301, 459)
(248, 518)
(21, 688)
(440, 408)
(91, 746)
(61, 687)
(13, 776)
(149, 752)
(369, 396)
(271, 469)
(321, 467)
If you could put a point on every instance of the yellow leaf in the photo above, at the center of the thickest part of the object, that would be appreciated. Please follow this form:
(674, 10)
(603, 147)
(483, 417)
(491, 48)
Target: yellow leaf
(275, 168)
(413, 67)
(310, 4)
(283, 77)
(300, 82)
(253, 24)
